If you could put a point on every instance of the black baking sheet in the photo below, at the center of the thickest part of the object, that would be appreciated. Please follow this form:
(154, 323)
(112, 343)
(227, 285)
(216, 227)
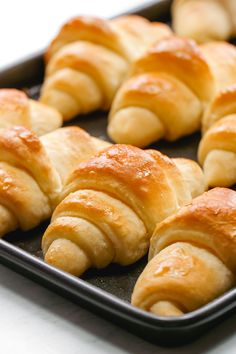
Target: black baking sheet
(106, 291)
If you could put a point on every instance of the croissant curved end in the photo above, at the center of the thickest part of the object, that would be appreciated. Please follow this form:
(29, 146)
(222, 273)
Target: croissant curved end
(166, 309)
(136, 126)
(67, 256)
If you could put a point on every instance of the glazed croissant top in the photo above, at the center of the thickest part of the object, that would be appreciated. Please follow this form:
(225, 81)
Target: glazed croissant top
(204, 20)
(90, 57)
(192, 256)
(112, 204)
(169, 89)
(128, 172)
(17, 109)
(33, 171)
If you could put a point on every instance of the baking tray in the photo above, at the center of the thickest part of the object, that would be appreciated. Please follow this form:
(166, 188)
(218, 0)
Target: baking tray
(107, 291)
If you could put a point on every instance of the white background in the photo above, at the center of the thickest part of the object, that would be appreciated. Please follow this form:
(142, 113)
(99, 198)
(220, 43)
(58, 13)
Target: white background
(32, 319)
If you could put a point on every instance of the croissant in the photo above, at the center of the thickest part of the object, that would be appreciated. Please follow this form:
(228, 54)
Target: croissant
(170, 88)
(33, 171)
(166, 95)
(221, 58)
(204, 20)
(17, 109)
(90, 57)
(192, 256)
(111, 205)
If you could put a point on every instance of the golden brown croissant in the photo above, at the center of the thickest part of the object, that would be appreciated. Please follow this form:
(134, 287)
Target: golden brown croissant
(192, 256)
(90, 57)
(17, 109)
(204, 20)
(112, 204)
(166, 95)
(33, 171)
(170, 88)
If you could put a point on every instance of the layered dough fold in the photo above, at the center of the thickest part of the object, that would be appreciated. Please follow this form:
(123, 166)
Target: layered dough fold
(17, 109)
(217, 149)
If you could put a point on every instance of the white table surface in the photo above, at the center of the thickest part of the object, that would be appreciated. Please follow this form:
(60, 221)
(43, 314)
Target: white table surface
(34, 320)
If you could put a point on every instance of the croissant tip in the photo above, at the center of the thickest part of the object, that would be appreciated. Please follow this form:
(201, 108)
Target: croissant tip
(67, 256)
(166, 309)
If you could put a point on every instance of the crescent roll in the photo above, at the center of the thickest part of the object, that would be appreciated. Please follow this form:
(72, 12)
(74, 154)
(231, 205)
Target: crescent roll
(17, 109)
(192, 257)
(170, 88)
(111, 206)
(204, 20)
(166, 95)
(33, 171)
(90, 57)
